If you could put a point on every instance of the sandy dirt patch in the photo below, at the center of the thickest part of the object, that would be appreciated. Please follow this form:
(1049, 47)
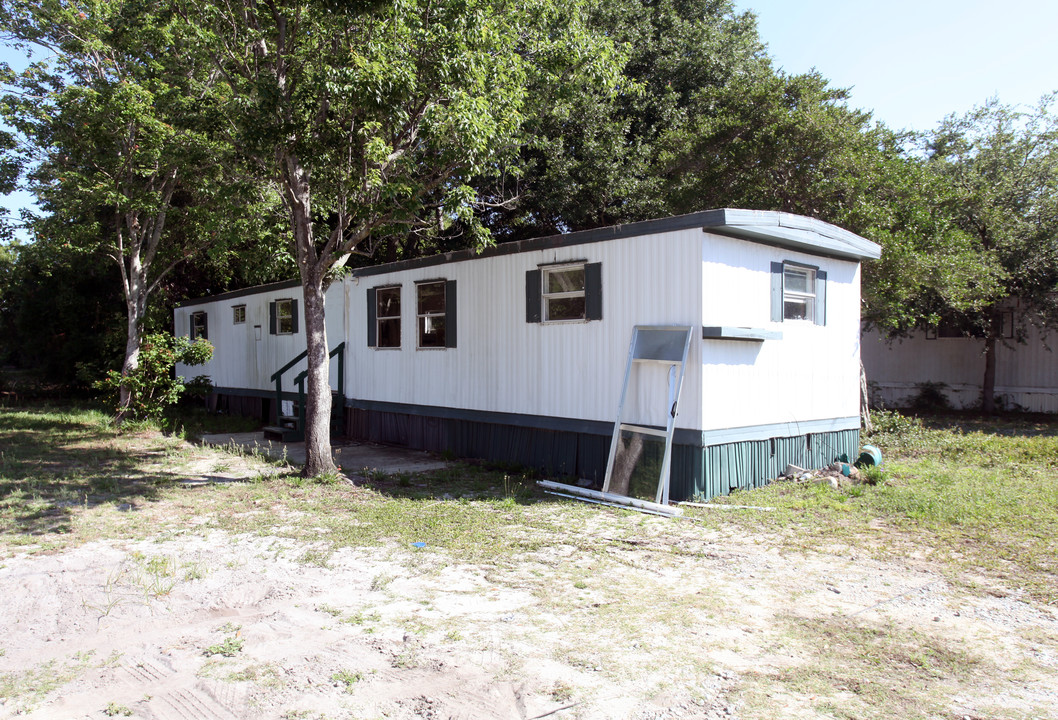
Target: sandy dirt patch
(204, 624)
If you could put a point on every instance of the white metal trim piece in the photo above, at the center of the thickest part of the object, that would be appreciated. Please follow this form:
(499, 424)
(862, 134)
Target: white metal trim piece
(605, 498)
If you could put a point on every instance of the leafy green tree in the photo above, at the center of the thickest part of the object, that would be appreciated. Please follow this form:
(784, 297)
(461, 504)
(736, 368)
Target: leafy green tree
(597, 158)
(1001, 164)
(367, 118)
(152, 385)
(704, 120)
(115, 129)
(62, 310)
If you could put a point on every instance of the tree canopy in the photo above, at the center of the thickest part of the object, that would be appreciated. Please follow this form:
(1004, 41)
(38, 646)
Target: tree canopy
(116, 130)
(367, 118)
(1000, 165)
(264, 137)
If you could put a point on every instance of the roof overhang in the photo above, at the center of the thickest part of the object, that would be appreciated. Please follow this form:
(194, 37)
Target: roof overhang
(793, 231)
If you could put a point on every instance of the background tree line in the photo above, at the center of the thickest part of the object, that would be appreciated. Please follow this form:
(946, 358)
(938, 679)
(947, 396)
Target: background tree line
(183, 147)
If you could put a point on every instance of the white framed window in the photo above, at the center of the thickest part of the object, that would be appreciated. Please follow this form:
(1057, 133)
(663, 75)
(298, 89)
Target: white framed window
(387, 314)
(285, 317)
(430, 313)
(798, 293)
(563, 292)
(238, 314)
(199, 326)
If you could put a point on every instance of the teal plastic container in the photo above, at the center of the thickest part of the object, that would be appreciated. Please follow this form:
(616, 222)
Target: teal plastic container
(870, 456)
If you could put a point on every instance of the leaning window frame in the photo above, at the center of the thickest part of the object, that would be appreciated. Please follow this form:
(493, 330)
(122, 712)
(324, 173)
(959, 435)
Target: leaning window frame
(288, 317)
(810, 298)
(546, 297)
(237, 317)
(421, 318)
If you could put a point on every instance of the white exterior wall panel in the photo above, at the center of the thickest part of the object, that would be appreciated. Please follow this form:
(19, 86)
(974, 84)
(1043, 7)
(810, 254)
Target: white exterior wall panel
(242, 361)
(812, 373)
(502, 363)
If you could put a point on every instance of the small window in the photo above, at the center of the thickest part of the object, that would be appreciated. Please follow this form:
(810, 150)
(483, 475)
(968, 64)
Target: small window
(285, 317)
(387, 313)
(238, 314)
(566, 292)
(798, 293)
(199, 326)
(430, 314)
(563, 293)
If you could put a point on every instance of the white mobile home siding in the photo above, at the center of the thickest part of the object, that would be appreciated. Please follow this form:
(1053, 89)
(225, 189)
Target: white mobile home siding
(502, 363)
(546, 394)
(806, 375)
(239, 359)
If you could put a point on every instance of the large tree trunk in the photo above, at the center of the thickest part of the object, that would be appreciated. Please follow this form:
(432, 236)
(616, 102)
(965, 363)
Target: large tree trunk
(313, 269)
(988, 384)
(318, 459)
(132, 360)
(136, 305)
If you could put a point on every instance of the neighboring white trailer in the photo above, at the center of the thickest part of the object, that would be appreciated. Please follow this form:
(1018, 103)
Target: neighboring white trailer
(518, 353)
(905, 371)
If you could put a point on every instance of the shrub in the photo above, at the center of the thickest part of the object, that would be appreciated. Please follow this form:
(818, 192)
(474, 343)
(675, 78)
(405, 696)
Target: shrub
(152, 385)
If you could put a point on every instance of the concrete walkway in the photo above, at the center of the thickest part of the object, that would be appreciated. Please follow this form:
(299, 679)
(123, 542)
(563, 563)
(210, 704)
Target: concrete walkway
(354, 458)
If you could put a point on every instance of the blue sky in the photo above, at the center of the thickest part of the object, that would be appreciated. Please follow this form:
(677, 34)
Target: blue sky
(915, 61)
(911, 62)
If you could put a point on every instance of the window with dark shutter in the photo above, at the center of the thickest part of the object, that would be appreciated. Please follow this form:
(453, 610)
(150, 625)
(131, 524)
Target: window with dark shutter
(387, 317)
(532, 296)
(283, 317)
(431, 319)
(798, 292)
(450, 314)
(563, 293)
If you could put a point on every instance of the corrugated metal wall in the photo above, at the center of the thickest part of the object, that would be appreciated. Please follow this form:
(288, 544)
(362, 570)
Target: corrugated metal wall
(696, 472)
(751, 464)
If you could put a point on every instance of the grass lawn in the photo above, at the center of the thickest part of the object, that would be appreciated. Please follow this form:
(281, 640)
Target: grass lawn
(979, 495)
(731, 610)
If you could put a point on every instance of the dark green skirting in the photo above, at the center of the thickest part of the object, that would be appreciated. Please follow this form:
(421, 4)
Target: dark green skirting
(568, 449)
(696, 472)
(705, 472)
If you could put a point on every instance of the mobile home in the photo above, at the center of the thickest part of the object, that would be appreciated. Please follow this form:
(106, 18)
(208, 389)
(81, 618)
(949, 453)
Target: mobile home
(518, 353)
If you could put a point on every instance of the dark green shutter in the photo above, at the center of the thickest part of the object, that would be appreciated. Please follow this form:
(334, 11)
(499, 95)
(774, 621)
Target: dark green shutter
(593, 291)
(450, 314)
(372, 319)
(205, 326)
(294, 316)
(532, 296)
(821, 297)
(272, 318)
(776, 292)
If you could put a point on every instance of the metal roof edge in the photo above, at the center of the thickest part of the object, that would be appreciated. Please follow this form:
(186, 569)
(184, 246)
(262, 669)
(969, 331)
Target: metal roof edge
(549, 242)
(798, 231)
(771, 226)
(232, 294)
